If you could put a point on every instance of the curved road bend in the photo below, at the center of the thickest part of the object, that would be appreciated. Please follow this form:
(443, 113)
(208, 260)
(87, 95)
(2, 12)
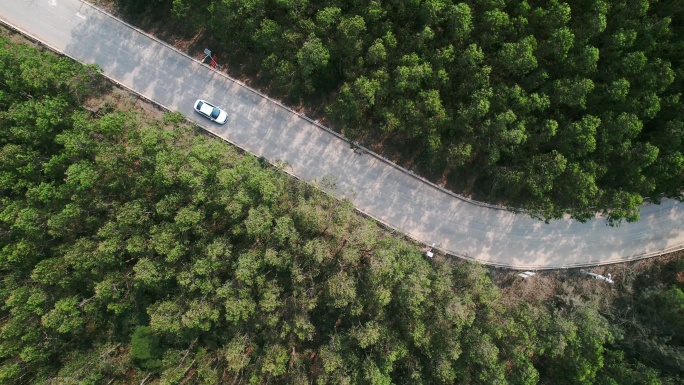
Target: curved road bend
(381, 190)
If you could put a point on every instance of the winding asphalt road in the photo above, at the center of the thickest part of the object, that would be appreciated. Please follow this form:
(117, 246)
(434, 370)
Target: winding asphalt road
(376, 187)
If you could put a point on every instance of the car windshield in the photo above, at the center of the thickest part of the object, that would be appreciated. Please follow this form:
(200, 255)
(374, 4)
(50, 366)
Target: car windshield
(215, 113)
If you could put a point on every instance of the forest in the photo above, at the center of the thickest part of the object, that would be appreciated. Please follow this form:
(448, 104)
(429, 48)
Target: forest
(137, 250)
(548, 106)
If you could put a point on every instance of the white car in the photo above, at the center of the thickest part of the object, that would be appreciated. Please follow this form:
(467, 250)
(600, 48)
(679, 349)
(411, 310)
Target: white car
(211, 111)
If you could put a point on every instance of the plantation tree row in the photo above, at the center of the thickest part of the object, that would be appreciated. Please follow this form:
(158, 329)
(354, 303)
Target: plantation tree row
(551, 106)
(134, 251)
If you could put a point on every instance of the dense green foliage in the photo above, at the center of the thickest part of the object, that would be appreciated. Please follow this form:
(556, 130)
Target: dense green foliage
(133, 251)
(552, 106)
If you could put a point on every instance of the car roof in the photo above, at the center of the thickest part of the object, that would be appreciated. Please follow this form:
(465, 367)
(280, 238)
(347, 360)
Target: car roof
(206, 108)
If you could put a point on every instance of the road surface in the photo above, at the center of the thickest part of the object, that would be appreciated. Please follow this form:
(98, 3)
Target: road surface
(376, 187)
